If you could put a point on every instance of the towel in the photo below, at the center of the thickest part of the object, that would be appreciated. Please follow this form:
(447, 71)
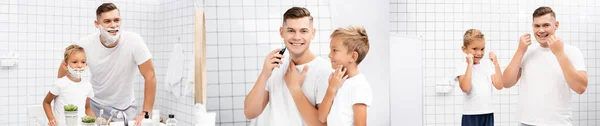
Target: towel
(175, 71)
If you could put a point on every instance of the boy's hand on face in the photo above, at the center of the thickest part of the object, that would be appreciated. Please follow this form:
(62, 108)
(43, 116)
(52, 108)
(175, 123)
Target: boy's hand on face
(337, 78)
(272, 60)
(292, 78)
(493, 57)
(469, 58)
(524, 42)
(556, 45)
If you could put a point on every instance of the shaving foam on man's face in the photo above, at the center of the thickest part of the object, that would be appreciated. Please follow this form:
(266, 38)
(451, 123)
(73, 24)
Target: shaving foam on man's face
(108, 23)
(110, 35)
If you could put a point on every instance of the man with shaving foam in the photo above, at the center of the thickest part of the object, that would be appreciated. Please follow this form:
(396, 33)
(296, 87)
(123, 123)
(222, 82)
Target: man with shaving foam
(114, 56)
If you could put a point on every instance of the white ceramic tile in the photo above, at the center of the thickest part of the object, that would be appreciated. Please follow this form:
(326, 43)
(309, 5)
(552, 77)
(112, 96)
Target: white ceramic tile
(225, 64)
(238, 116)
(239, 89)
(250, 25)
(261, 2)
(211, 25)
(212, 104)
(225, 77)
(224, 39)
(223, 12)
(226, 115)
(262, 24)
(251, 76)
(237, 64)
(253, 63)
(238, 76)
(262, 12)
(263, 37)
(212, 77)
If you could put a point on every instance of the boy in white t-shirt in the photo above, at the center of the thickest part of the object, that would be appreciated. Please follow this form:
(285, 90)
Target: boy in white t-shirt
(547, 72)
(476, 78)
(349, 94)
(69, 89)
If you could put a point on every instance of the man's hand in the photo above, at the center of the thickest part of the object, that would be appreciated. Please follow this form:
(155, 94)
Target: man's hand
(272, 60)
(524, 42)
(52, 123)
(292, 78)
(138, 119)
(556, 44)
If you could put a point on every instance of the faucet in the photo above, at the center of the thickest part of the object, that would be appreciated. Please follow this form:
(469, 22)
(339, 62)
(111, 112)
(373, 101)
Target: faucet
(125, 122)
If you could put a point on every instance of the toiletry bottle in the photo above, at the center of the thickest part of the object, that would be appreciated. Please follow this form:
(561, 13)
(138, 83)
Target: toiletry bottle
(156, 117)
(171, 121)
(147, 121)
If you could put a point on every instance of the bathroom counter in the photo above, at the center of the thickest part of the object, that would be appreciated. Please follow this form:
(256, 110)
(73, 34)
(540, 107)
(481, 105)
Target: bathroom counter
(131, 123)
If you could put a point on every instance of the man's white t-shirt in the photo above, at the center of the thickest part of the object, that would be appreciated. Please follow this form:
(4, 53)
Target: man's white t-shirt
(355, 90)
(544, 95)
(69, 92)
(479, 99)
(282, 110)
(113, 69)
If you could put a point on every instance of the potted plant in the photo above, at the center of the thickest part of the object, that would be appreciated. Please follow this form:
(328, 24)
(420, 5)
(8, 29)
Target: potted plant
(71, 115)
(88, 121)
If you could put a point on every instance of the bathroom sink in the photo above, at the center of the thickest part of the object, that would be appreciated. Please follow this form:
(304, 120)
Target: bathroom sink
(131, 123)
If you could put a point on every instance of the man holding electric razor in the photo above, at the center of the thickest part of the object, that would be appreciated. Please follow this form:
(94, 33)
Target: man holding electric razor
(289, 89)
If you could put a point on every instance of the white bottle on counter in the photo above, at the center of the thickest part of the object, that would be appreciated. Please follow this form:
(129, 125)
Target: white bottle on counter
(171, 121)
(156, 117)
(146, 121)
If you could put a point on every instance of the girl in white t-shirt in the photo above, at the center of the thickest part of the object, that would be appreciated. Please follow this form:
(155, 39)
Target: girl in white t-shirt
(476, 78)
(348, 95)
(69, 89)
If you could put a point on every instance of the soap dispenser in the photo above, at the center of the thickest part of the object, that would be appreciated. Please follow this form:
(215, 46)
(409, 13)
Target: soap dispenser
(147, 121)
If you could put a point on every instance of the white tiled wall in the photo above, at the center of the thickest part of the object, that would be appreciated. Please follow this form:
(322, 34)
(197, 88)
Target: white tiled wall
(442, 23)
(39, 30)
(239, 34)
(174, 22)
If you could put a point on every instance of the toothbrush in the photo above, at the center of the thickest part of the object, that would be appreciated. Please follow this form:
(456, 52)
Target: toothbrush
(112, 114)
(99, 119)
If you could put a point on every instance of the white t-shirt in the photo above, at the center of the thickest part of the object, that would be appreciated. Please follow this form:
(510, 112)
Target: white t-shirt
(282, 110)
(69, 92)
(479, 99)
(544, 95)
(113, 69)
(355, 90)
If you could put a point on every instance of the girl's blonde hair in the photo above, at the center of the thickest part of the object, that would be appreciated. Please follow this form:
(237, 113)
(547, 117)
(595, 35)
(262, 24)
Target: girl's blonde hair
(71, 50)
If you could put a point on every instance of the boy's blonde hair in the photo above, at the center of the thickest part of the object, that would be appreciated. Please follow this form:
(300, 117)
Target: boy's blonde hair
(472, 35)
(71, 50)
(355, 39)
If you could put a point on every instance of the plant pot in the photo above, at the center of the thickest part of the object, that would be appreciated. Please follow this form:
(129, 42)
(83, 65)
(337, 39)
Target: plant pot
(87, 124)
(71, 118)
